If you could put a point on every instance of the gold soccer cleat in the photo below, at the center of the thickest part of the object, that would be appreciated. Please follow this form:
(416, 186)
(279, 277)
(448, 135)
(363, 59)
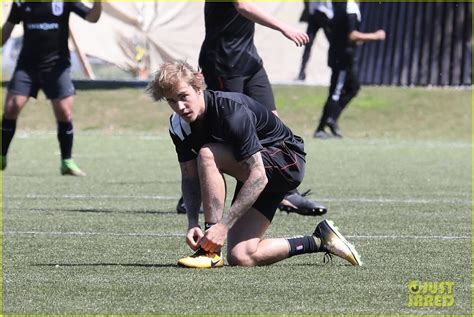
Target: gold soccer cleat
(333, 242)
(202, 259)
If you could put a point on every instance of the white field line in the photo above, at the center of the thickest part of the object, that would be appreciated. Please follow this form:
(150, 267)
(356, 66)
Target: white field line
(165, 235)
(158, 197)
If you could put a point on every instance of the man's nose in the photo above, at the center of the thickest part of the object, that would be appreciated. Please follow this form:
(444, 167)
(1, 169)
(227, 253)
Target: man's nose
(181, 105)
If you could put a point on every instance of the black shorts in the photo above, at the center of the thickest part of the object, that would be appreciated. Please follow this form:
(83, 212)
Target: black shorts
(256, 86)
(56, 82)
(285, 171)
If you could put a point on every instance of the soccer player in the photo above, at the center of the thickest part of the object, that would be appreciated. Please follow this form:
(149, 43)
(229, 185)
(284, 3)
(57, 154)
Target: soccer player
(345, 36)
(319, 14)
(44, 63)
(230, 62)
(221, 132)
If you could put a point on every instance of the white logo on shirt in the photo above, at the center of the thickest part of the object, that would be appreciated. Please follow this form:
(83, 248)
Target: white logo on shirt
(58, 7)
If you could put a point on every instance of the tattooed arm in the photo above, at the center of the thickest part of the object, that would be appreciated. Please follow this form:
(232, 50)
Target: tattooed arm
(191, 190)
(253, 185)
(251, 189)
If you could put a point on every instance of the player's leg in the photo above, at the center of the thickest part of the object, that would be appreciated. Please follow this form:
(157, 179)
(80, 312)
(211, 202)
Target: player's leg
(349, 91)
(22, 86)
(58, 87)
(246, 246)
(338, 78)
(312, 30)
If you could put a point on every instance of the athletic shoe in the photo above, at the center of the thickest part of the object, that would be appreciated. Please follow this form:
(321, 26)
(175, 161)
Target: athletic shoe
(334, 127)
(302, 75)
(4, 162)
(320, 134)
(181, 208)
(297, 203)
(202, 259)
(333, 242)
(69, 167)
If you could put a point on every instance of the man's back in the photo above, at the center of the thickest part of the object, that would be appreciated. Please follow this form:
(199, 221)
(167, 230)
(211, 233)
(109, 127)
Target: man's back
(233, 119)
(228, 46)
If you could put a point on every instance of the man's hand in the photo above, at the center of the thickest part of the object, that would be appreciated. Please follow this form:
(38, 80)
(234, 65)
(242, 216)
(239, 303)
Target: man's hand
(214, 238)
(193, 237)
(298, 37)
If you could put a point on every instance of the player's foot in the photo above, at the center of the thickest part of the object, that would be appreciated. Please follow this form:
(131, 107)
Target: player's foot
(320, 134)
(4, 162)
(181, 207)
(297, 203)
(69, 167)
(202, 259)
(333, 242)
(302, 75)
(334, 127)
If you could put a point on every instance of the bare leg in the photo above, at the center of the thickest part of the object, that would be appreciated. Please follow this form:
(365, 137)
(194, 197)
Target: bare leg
(11, 110)
(245, 244)
(62, 108)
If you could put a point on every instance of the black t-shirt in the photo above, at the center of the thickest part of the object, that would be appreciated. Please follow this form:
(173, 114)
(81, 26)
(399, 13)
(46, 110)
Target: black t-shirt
(346, 19)
(46, 31)
(228, 48)
(233, 119)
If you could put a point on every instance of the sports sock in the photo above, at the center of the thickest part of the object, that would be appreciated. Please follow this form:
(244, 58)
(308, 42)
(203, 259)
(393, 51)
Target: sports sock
(304, 244)
(8, 131)
(65, 138)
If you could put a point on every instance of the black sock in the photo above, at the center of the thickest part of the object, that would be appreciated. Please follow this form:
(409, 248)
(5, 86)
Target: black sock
(8, 131)
(65, 138)
(304, 244)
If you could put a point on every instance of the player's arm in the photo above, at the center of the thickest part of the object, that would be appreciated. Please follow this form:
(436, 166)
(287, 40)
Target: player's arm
(7, 31)
(252, 187)
(191, 190)
(257, 15)
(357, 36)
(95, 12)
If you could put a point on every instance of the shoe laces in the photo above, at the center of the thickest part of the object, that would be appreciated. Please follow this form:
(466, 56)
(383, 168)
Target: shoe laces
(327, 257)
(306, 193)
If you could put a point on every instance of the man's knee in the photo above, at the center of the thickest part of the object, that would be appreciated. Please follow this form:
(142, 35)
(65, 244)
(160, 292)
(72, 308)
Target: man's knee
(206, 156)
(236, 258)
(13, 106)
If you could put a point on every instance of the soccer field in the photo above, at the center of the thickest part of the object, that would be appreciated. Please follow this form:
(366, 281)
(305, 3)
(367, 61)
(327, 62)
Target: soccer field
(108, 243)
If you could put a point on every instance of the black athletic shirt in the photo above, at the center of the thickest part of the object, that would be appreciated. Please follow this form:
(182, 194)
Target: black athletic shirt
(346, 19)
(233, 119)
(228, 48)
(46, 31)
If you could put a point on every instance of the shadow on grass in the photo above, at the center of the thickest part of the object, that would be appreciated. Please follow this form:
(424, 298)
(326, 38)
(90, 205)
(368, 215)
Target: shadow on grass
(93, 210)
(103, 264)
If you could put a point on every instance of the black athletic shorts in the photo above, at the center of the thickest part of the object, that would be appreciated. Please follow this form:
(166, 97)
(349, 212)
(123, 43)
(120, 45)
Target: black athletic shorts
(285, 171)
(256, 86)
(56, 83)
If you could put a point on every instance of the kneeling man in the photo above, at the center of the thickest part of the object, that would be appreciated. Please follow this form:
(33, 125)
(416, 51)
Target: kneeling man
(218, 133)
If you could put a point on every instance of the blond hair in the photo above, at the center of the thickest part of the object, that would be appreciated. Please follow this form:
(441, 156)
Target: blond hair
(169, 74)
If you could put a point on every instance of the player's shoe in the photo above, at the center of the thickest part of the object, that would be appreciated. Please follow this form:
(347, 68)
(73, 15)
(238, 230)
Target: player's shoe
(181, 207)
(202, 259)
(69, 167)
(334, 127)
(320, 134)
(297, 203)
(333, 242)
(4, 162)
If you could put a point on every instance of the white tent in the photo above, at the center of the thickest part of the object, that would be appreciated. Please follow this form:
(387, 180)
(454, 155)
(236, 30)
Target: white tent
(134, 35)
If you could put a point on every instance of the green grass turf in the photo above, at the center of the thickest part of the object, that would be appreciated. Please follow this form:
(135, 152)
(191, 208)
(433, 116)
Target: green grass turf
(108, 243)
